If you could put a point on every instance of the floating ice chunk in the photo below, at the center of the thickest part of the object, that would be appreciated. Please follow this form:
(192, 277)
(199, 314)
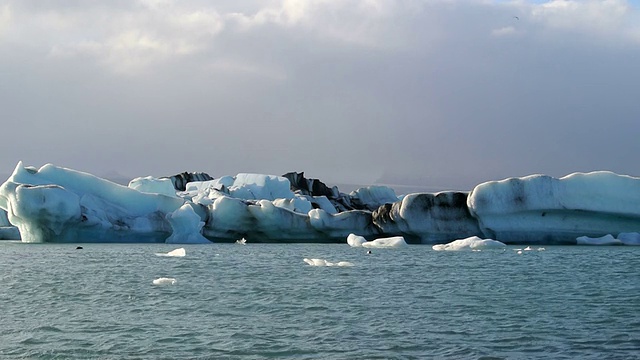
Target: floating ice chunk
(394, 241)
(358, 241)
(242, 241)
(470, 243)
(165, 281)
(631, 238)
(604, 240)
(174, 253)
(323, 262)
(355, 241)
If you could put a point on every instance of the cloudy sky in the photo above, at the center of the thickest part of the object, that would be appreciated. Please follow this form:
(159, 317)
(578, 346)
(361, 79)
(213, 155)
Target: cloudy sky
(446, 93)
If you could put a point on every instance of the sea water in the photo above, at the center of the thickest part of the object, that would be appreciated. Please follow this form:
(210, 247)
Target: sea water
(263, 301)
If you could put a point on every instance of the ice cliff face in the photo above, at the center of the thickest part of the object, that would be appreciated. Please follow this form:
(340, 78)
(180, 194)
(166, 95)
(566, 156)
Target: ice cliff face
(54, 204)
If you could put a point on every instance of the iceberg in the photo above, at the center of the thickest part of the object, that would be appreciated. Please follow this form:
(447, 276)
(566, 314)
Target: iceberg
(603, 240)
(470, 243)
(630, 238)
(56, 204)
(389, 242)
(540, 209)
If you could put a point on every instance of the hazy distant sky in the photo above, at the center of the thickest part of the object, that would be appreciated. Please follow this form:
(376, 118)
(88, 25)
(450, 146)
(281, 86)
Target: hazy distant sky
(443, 92)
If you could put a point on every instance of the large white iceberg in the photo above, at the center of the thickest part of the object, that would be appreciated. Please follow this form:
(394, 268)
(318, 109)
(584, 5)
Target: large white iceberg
(543, 209)
(55, 204)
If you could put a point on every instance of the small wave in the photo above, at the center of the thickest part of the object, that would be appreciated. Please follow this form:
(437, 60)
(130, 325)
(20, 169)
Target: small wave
(323, 262)
(48, 328)
(165, 281)
(174, 253)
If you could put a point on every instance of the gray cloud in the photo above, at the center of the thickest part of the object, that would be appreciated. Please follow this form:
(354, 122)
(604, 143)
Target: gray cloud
(445, 93)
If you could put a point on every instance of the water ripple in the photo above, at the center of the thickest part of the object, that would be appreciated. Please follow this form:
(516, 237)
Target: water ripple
(258, 301)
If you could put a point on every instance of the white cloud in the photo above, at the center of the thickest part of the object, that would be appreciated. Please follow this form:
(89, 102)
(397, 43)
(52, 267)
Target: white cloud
(449, 84)
(131, 42)
(600, 17)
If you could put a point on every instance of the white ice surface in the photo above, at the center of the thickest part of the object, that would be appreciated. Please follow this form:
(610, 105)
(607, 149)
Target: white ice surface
(630, 238)
(153, 185)
(323, 262)
(470, 243)
(181, 252)
(58, 204)
(375, 196)
(259, 186)
(603, 240)
(539, 207)
(389, 242)
(165, 281)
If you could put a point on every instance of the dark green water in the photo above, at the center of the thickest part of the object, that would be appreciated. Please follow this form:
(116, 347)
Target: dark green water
(264, 302)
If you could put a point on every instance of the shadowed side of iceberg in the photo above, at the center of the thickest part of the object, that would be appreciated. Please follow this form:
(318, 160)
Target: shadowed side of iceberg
(430, 218)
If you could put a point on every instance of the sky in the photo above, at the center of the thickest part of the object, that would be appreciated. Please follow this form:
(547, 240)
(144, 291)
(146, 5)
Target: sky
(441, 93)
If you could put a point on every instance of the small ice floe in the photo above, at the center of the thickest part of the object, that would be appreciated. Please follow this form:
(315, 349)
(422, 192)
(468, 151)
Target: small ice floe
(242, 241)
(359, 241)
(174, 253)
(470, 243)
(604, 240)
(630, 238)
(541, 249)
(323, 262)
(528, 248)
(165, 281)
